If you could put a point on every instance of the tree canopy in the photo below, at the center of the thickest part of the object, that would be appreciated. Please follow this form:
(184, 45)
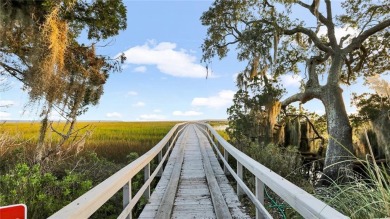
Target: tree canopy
(40, 47)
(275, 41)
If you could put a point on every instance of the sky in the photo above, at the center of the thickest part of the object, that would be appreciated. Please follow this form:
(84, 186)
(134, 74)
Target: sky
(162, 78)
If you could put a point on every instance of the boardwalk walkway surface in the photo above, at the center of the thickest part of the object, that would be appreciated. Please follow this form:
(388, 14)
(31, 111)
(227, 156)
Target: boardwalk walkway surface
(193, 184)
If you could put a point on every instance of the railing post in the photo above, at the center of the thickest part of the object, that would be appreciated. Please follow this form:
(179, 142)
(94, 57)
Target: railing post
(240, 192)
(259, 195)
(127, 196)
(160, 171)
(226, 156)
(146, 177)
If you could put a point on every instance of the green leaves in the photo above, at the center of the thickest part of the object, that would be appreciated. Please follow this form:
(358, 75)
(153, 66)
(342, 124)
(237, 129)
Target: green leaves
(102, 18)
(369, 106)
(43, 193)
(40, 48)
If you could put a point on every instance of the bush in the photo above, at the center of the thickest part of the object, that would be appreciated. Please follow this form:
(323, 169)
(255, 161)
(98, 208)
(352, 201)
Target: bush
(286, 162)
(43, 193)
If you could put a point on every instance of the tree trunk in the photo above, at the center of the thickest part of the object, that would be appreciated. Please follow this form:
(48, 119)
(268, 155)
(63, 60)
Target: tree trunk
(39, 153)
(340, 150)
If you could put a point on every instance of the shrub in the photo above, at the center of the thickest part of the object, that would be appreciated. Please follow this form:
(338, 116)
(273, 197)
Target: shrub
(43, 193)
(284, 161)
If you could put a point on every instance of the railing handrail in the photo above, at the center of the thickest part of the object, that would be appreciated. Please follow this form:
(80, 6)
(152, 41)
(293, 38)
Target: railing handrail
(303, 202)
(91, 201)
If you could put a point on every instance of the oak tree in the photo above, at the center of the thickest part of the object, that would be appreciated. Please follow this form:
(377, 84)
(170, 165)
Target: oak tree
(40, 47)
(275, 39)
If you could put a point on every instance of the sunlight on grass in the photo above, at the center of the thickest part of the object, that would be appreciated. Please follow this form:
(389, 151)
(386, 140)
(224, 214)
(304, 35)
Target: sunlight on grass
(112, 140)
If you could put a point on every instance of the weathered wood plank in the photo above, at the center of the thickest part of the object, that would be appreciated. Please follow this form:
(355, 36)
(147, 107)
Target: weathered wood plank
(231, 199)
(220, 207)
(164, 211)
(155, 199)
(193, 184)
(192, 198)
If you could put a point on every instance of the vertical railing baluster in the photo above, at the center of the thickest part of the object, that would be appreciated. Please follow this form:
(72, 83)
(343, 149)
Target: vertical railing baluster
(240, 192)
(259, 195)
(226, 156)
(146, 177)
(160, 171)
(127, 196)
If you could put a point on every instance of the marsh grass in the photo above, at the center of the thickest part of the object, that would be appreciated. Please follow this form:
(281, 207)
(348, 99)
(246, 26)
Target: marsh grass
(111, 146)
(365, 196)
(111, 140)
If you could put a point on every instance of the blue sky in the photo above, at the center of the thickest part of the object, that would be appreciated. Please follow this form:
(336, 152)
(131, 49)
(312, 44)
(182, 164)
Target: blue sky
(162, 78)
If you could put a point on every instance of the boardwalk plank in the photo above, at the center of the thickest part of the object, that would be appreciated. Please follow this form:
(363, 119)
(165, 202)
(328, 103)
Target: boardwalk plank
(192, 198)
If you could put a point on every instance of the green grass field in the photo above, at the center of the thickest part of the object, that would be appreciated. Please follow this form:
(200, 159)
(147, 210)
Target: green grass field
(112, 140)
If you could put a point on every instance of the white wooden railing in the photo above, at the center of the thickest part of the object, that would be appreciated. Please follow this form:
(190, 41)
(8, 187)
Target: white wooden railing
(91, 201)
(304, 203)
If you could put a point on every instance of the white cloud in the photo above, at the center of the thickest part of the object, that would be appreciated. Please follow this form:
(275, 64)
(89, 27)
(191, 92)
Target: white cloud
(223, 99)
(187, 113)
(141, 69)
(114, 115)
(339, 32)
(139, 104)
(152, 117)
(291, 80)
(132, 93)
(7, 102)
(157, 111)
(4, 115)
(167, 58)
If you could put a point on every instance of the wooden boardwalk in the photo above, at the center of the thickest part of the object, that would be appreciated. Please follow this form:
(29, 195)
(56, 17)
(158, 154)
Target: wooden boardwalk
(193, 184)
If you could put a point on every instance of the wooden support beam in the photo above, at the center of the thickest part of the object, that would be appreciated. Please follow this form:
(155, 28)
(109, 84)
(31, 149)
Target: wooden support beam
(146, 177)
(160, 171)
(240, 173)
(127, 196)
(259, 195)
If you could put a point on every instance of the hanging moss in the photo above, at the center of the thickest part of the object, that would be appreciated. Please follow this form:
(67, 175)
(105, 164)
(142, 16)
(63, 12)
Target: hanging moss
(381, 129)
(272, 112)
(293, 133)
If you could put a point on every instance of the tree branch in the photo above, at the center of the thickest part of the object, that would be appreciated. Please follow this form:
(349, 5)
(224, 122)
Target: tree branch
(294, 98)
(357, 41)
(330, 24)
(369, 20)
(227, 44)
(321, 17)
(57, 132)
(312, 87)
(312, 35)
(302, 97)
(363, 57)
(325, 20)
(350, 72)
(313, 76)
(12, 71)
(343, 39)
